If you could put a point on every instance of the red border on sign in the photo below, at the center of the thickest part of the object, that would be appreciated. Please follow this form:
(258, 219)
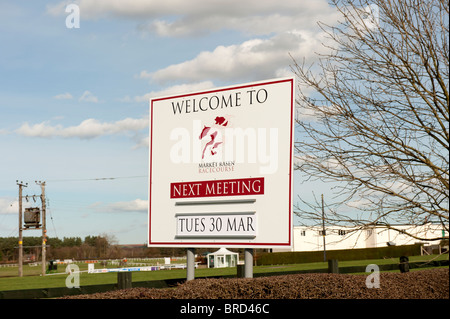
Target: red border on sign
(218, 188)
(198, 244)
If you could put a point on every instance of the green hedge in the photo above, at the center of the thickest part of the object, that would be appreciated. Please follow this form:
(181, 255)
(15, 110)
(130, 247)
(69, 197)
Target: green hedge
(347, 254)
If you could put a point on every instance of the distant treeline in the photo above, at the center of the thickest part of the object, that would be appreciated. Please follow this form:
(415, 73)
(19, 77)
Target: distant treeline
(9, 242)
(68, 247)
(91, 247)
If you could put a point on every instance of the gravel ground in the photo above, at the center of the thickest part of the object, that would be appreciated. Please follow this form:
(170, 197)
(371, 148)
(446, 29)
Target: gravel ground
(424, 284)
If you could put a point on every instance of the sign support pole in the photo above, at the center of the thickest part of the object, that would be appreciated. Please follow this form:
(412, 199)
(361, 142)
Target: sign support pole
(248, 259)
(190, 264)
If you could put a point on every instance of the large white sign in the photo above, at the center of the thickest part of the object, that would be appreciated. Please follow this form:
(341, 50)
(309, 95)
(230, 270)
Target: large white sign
(221, 167)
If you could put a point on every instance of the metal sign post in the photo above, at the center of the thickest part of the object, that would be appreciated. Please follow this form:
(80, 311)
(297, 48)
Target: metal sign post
(190, 264)
(248, 259)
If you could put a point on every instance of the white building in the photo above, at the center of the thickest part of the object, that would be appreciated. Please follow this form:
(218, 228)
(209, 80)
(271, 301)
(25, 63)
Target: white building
(311, 238)
(222, 258)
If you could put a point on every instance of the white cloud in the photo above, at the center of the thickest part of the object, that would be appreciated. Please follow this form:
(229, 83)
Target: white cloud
(87, 129)
(63, 96)
(256, 22)
(9, 205)
(181, 18)
(176, 89)
(251, 60)
(144, 75)
(282, 27)
(137, 205)
(88, 97)
(143, 142)
(57, 9)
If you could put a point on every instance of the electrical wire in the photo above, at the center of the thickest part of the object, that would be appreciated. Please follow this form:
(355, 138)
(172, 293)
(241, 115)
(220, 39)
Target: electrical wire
(27, 196)
(51, 216)
(94, 179)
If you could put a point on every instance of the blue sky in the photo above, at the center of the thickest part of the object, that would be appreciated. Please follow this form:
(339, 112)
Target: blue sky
(74, 102)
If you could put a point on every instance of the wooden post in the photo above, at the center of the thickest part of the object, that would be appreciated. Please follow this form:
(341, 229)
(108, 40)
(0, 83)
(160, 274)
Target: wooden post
(333, 267)
(44, 228)
(240, 271)
(124, 279)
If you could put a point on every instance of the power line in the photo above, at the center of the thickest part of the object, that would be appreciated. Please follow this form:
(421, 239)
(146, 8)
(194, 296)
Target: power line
(51, 217)
(95, 179)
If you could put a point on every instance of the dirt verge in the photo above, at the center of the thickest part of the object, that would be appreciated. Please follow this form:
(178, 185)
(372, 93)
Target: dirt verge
(424, 284)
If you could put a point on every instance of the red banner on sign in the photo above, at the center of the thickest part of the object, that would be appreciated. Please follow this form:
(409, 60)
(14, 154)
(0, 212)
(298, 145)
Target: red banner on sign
(227, 187)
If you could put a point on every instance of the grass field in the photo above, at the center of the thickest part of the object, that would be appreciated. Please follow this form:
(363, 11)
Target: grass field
(32, 278)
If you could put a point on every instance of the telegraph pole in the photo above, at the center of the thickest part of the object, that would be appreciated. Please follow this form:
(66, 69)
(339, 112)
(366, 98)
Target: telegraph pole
(21, 185)
(44, 228)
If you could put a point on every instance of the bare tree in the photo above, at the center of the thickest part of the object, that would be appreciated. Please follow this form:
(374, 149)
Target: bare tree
(377, 121)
